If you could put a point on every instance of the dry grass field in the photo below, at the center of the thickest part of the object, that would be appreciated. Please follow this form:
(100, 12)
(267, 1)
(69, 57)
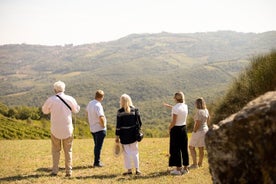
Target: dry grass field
(29, 161)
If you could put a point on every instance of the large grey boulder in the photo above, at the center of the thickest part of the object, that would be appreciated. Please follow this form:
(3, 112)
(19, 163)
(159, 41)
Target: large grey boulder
(242, 148)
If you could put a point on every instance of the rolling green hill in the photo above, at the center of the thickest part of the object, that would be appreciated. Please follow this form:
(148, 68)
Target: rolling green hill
(18, 129)
(149, 67)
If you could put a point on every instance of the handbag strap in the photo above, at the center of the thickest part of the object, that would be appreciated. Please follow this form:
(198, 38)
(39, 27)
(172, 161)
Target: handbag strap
(64, 102)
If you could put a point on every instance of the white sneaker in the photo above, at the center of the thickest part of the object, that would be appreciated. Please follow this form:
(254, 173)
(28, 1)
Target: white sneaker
(175, 172)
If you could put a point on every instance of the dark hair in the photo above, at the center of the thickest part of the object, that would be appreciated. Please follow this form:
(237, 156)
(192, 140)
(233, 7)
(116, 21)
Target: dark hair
(200, 103)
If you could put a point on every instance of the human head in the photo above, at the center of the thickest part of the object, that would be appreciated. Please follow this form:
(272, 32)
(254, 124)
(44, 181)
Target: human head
(125, 102)
(200, 103)
(99, 95)
(179, 97)
(59, 86)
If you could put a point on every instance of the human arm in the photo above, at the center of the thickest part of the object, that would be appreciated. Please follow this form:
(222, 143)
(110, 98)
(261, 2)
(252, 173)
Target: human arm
(208, 121)
(76, 109)
(167, 105)
(86, 115)
(102, 121)
(117, 131)
(196, 125)
(46, 107)
(99, 113)
(196, 121)
(117, 139)
(137, 112)
(74, 105)
(173, 122)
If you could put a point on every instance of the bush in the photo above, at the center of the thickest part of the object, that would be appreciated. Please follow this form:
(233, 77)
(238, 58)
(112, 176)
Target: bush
(258, 78)
(3, 109)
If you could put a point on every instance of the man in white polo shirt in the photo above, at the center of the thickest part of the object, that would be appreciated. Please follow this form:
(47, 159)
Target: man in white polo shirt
(97, 123)
(61, 106)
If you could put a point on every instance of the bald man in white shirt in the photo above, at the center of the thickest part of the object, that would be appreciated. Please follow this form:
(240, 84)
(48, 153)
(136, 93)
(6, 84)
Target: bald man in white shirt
(61, 106)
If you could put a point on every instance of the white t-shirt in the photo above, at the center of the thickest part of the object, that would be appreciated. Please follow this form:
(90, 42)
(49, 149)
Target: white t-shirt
(95, 110)
(181, 110)
(61, 115)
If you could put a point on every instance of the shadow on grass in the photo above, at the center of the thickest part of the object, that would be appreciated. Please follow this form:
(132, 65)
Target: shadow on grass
(101, 176)
(46, 173)
(155, 175)
(81, 168)
(21, 177)
(143, 176)
(125, 178)
(43, 169)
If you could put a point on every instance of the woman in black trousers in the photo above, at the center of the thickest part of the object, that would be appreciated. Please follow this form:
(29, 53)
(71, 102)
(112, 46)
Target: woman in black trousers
(178, 136)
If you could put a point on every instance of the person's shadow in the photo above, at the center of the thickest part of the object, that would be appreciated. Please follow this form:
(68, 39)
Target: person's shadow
(19, 177)
(44, 172)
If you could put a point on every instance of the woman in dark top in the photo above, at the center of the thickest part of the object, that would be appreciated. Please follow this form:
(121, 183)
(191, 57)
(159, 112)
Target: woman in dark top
(126, 126)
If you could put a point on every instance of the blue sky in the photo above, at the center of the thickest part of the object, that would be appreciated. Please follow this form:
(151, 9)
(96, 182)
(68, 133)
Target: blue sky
(59, 22)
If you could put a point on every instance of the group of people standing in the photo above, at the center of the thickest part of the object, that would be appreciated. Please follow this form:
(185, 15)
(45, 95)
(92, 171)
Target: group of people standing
(61, 107)
(178, 149)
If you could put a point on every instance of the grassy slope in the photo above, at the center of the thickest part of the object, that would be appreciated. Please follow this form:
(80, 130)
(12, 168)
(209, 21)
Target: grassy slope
(19, 129)
(29, 161)
(258, 78)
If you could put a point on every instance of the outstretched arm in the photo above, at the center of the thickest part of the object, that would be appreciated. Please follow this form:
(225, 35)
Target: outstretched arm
(167, 105)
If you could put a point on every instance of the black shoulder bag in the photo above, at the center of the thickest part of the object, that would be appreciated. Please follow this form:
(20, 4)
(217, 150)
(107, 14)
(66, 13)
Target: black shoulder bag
(139, 132)
(64, 102)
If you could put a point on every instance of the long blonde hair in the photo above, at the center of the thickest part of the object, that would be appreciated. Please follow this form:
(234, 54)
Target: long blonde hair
(126, 102)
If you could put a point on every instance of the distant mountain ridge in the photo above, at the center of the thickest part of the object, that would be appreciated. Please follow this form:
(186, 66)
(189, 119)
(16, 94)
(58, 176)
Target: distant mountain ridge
(149, 67)
(218, 46)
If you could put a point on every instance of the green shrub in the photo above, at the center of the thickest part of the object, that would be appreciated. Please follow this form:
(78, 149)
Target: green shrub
(258, 78)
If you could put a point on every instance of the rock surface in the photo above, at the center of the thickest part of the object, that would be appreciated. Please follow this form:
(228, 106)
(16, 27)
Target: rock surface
(242, 148)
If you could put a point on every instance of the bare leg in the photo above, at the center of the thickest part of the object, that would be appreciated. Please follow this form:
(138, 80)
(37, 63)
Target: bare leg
(201, 155)
(193, 154)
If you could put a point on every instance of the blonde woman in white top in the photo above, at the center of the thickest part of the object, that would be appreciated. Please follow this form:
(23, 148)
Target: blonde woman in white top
(201, 120)
(179, 157)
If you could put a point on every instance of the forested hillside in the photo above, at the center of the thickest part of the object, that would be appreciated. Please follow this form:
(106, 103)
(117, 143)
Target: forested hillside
(149, 67)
